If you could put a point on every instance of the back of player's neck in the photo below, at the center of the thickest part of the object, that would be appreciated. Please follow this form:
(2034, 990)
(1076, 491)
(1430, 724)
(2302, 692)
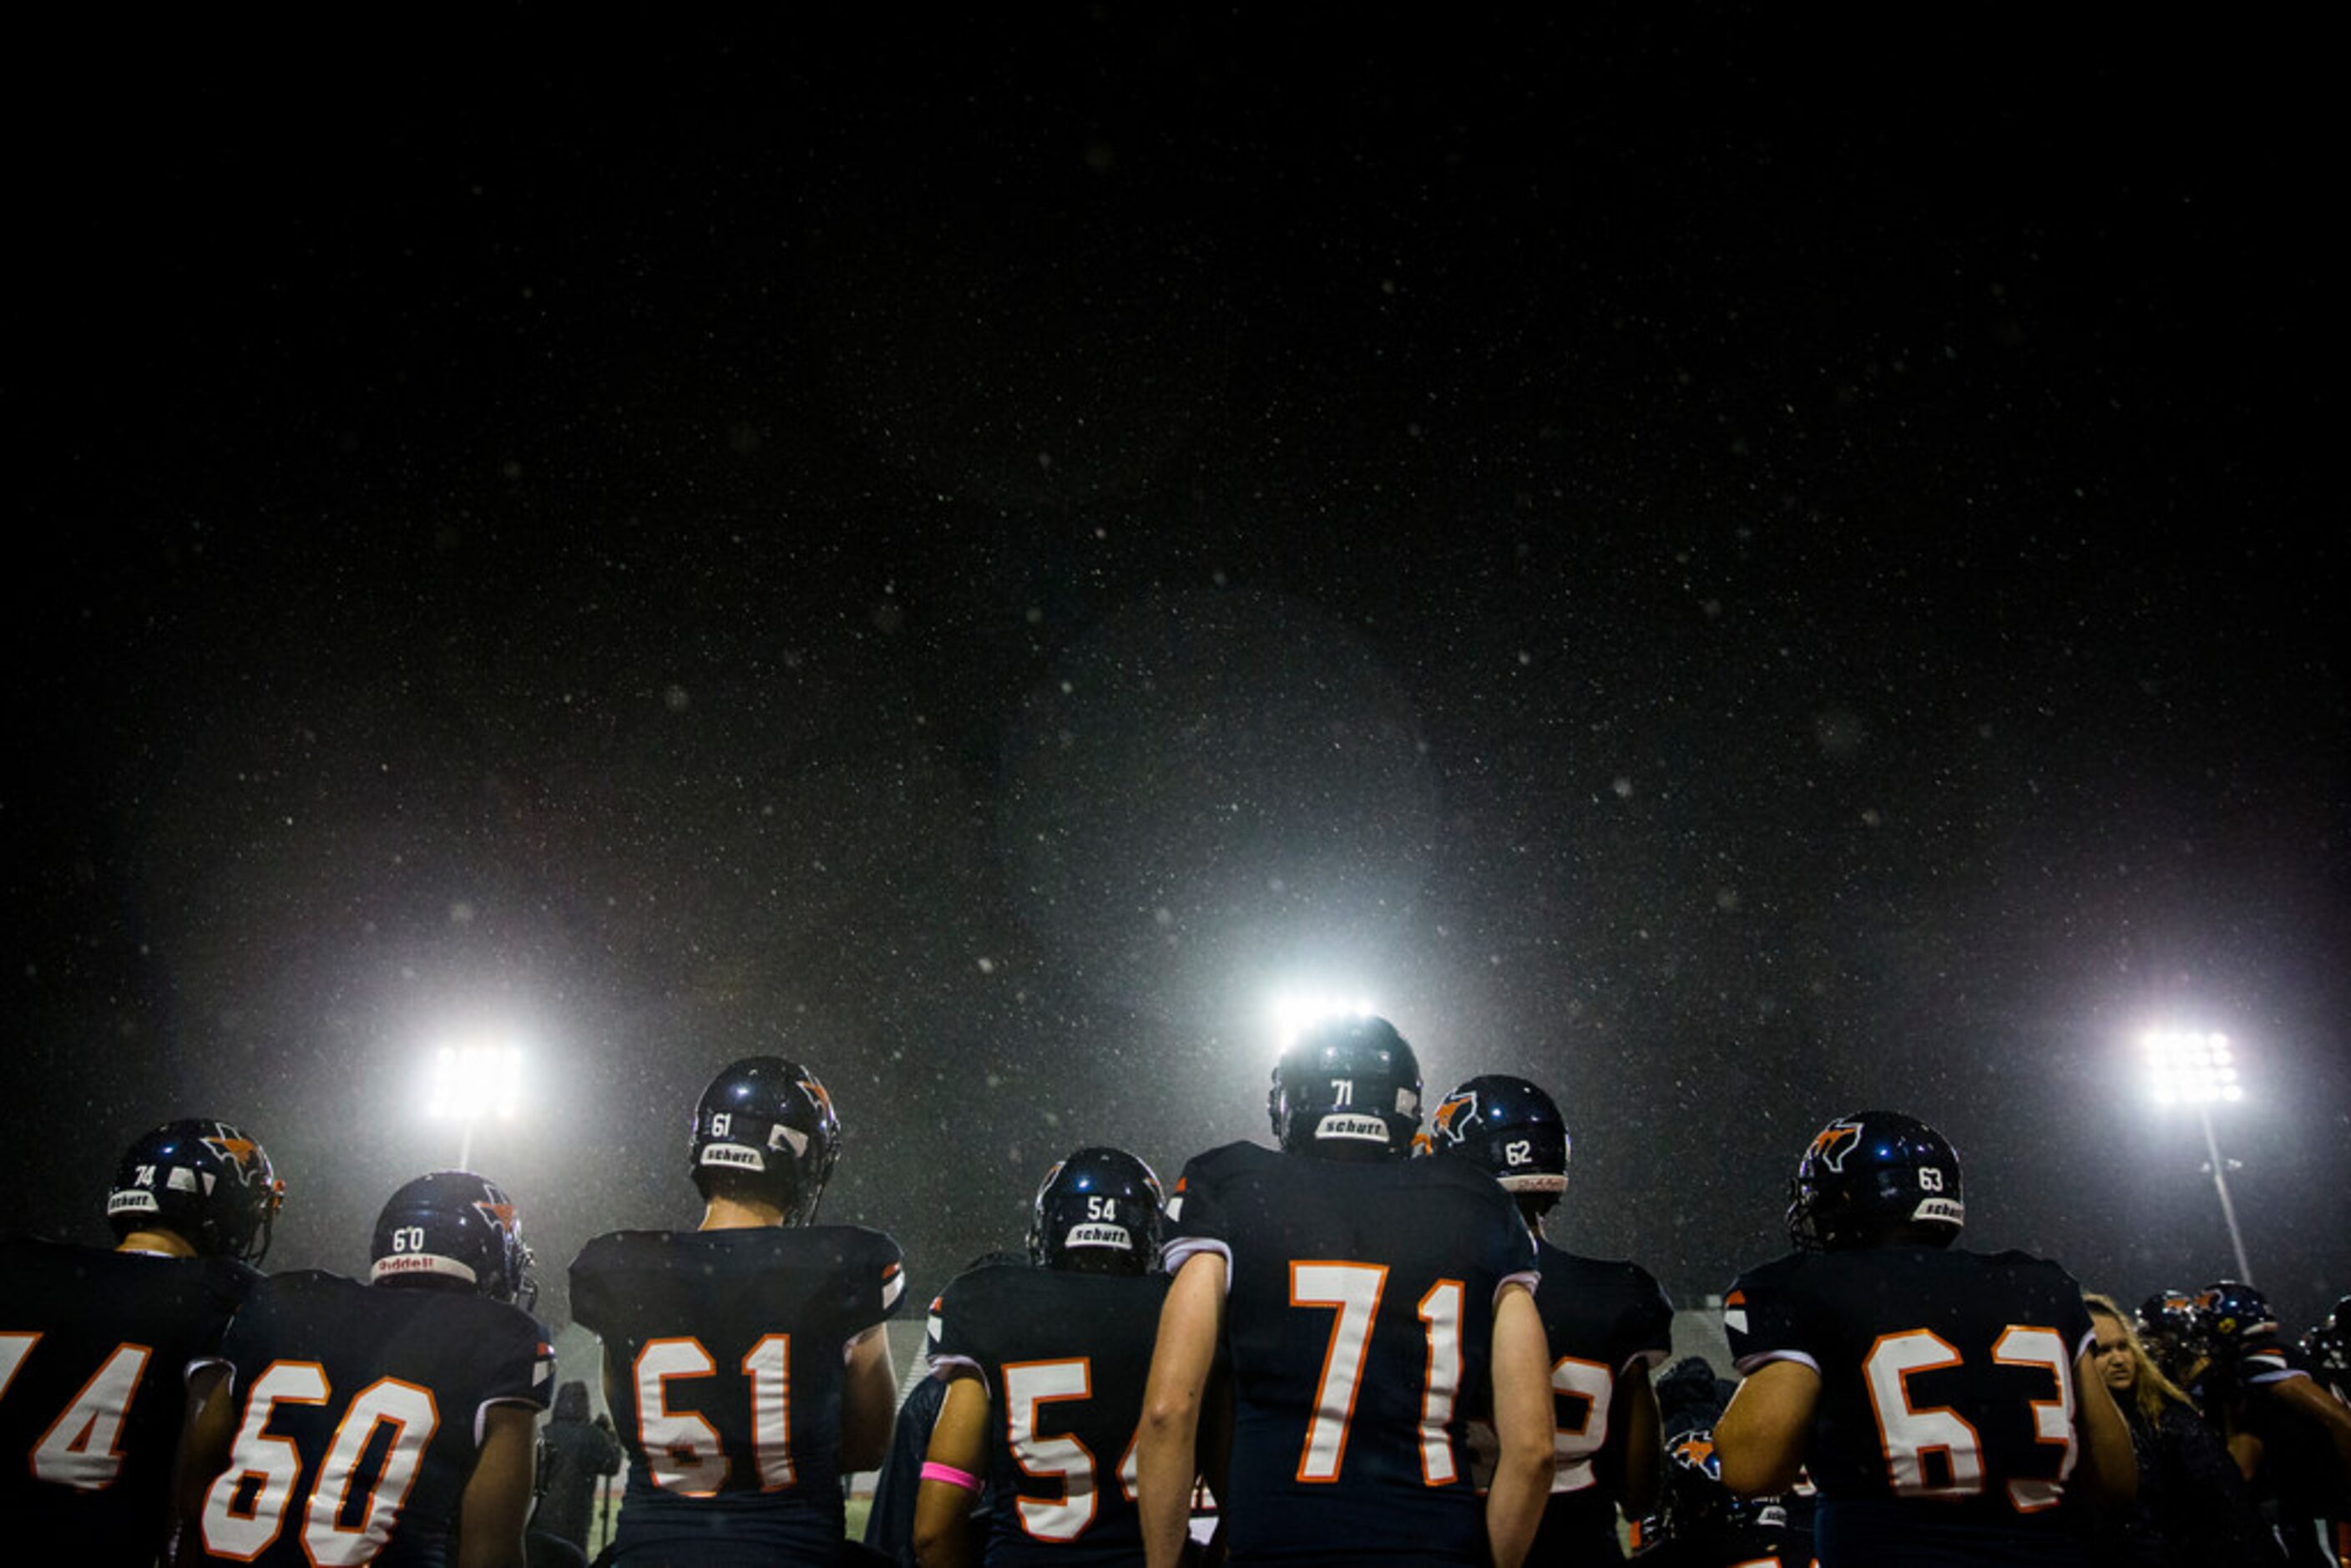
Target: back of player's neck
(739, 1214)
(156, 1244)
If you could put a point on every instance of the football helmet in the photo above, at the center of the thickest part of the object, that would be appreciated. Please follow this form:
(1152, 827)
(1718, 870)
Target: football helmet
(452, 1225)
(203, 1180)
(2166, 1315)
(766, 1128)
(2230, 1315)
(1100, 1204)
(1509, 1126)
(1350, 1081)
(1867, 1177)
(2328, 1346)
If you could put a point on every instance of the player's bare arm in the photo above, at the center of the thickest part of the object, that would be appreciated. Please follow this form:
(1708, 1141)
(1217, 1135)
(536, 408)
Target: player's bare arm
(1166, 1445)
(498, 1494)
(2304, 1396)
(1636, 1442)
(942, 1533)
(869, 1399)
(2109, 1464)
(208, 1431)
(1522, 1425)
(1759, 1441)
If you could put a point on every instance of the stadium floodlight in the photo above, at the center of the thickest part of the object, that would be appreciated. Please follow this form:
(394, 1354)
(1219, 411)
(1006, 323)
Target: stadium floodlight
(2196, 1069)
(1295, 1012)
(472, 1083)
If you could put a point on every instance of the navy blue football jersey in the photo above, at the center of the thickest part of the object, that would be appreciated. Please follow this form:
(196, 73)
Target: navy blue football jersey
(1946, 1427)
(1359, 1315)
(94, 1350)
(1063, 1357)
(1603, 1320)
(359, 1416)
(723, 1364)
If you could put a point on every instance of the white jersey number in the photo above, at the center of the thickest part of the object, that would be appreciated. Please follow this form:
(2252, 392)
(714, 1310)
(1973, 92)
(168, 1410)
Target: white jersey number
(1352, 1290)
(267, 1470)
(1910, 1433)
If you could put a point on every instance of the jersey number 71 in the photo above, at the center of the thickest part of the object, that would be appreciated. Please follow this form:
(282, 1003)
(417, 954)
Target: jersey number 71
(1354, 1291)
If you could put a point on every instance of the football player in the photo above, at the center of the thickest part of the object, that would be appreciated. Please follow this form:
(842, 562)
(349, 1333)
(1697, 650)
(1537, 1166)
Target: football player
(2328, 1350)
(1361, 1297)
(2290, 1437)
(1607, 1323)
(1052, 1356)
(890, 1518)
(745, 1362)
(1941, 1400)
(94, 1346)
(390, 1421)
(2166, 1326)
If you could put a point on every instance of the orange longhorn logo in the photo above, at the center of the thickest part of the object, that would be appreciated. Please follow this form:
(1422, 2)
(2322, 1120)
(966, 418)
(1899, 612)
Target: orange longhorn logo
(230, 1147)
(1454, 1108)
(1832, 1144)
(501, 1215)
(816, 1093)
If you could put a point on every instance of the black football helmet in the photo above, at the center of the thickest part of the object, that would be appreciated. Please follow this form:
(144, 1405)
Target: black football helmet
(1350, 1081)
(766, 1128)
(452, 1225)
(1509, 1126)
(1102, 1204)
(2230, 1316)
(204, 1181)
(1867, 1177)
(2167, 1327)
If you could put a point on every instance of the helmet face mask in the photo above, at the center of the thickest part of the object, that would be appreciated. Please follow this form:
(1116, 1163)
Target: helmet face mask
(453, 1225)
(202, 1180)
(1875, 1180)
(1098, 1209)
(765, 1129)
(1349, 1084)
(1510, 1128)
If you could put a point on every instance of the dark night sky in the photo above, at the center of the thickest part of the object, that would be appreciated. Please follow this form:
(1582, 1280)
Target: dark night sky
(1741, 574)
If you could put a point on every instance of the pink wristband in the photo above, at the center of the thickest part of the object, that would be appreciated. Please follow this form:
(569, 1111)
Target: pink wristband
(934, 1471)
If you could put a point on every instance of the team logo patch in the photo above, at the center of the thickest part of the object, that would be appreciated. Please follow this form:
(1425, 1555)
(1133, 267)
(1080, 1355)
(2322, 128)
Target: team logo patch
(501, 1215)
(1832, 1144)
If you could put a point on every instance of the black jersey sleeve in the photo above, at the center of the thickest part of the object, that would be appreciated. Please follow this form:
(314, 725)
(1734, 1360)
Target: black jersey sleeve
(955, 1336)
(1196, 1221)
(1766, 1318)
(1647, 1325)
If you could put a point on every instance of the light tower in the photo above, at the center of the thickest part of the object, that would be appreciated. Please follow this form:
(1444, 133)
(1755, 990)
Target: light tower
(2185, 1065)
(472, 1082)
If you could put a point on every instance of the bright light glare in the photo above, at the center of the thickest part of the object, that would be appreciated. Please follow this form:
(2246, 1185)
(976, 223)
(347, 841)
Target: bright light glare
(1294, 1013)
(471, 1081)
(2187, 1066)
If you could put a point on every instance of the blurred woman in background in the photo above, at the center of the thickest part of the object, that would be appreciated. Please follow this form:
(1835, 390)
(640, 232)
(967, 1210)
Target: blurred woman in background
(2193, 1506)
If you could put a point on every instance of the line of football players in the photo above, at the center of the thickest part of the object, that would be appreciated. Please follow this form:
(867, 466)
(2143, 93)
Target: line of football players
(1356, 1354)
(168, 1400)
